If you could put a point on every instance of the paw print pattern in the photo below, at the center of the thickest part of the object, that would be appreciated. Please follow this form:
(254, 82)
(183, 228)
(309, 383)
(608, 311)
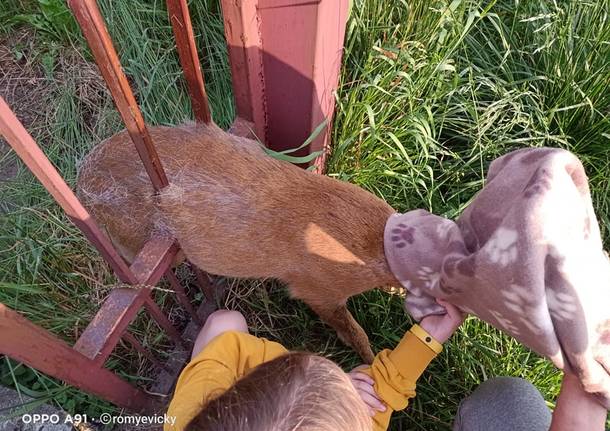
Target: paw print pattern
(517, 299)
(402, 235)
(430, 277)
(562, 306)
(502, 248)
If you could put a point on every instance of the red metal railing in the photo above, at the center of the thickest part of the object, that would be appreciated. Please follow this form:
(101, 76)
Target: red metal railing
(99, 339)
(260, 86)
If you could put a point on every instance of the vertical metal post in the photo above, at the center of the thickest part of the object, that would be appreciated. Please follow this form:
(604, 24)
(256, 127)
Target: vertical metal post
(129, 338)
(187, 52)
(181, 295)
(207, 288)
(156, 313)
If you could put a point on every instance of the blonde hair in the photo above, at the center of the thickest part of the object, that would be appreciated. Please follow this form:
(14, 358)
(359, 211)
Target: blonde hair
(296, 391)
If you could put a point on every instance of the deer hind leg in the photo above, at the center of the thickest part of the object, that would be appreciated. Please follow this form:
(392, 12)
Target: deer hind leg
(348, 330)
(336, 315)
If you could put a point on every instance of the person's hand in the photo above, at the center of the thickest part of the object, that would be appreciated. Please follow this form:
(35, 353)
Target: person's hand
(577, 409)
(364, 386)
(441, 327)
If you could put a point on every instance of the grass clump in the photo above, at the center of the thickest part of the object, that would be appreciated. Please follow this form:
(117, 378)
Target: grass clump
(430, 93)
(440, 89)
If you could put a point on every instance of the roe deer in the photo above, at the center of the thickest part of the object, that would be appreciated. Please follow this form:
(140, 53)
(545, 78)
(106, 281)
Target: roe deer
(238, 212)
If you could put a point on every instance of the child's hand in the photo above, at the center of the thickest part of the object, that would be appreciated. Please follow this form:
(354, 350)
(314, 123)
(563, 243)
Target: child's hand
(443, 326)
(364, 386)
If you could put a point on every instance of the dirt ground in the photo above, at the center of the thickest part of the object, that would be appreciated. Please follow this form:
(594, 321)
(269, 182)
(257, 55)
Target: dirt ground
(32, 74)
(23, 86)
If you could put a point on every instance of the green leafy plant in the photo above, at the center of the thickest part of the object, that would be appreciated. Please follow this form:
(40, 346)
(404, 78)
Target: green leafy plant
(286, 156)
(51, 17)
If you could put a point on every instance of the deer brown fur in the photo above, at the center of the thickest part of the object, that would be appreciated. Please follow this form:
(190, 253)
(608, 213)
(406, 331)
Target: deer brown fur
(238, 212)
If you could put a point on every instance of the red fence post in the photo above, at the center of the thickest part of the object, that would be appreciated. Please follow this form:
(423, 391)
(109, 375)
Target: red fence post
(285, 59)
(242, 32)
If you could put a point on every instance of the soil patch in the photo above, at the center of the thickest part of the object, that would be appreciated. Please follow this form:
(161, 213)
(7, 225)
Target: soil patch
(33, 73)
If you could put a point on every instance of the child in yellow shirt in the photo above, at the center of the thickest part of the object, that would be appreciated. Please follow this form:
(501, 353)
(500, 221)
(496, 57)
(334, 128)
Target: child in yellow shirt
(238, 382)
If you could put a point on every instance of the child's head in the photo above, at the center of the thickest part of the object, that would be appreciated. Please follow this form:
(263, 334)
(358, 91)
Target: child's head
(296, 391)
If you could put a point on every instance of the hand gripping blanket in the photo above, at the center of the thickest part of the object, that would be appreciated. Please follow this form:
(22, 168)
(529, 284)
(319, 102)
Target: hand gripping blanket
(525, 256)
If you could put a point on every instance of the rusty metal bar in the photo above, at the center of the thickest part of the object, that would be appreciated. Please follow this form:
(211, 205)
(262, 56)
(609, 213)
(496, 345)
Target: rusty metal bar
(23, 144)
(122, 305)
(204, 284)
(187, 52)
(94, 29)
(181, 295)
(131, 339)
(103, 332)
(109, 324)
(154, 259)
(25, 342)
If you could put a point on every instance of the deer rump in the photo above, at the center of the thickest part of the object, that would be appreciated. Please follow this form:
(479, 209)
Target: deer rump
(238, 212)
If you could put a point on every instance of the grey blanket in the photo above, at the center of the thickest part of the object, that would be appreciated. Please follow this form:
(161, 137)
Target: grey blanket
(525, 256)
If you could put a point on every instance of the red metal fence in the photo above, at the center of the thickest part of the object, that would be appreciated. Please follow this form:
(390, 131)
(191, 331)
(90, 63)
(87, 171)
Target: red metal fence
(283, 89)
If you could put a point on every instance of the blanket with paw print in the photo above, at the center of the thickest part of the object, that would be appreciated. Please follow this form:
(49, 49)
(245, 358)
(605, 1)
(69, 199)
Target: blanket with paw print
(525, 256)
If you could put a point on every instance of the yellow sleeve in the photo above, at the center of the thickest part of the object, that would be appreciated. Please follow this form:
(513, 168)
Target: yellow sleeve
(396, 371)
(216, 368)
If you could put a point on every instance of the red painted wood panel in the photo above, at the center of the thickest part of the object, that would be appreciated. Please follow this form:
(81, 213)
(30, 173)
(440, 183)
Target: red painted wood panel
(286, 58)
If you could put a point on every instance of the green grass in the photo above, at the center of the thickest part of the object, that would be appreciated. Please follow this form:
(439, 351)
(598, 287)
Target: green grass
(430, 93)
